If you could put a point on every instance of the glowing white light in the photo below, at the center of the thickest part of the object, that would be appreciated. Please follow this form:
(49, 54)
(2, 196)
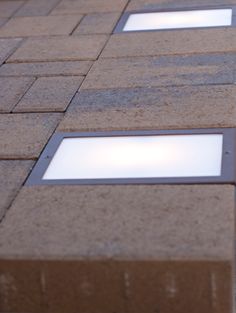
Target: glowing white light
(179, 19)
(137, 157)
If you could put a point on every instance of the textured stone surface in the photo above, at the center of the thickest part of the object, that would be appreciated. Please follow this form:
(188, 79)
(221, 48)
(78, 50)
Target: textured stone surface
(89, 6)
(60, 49)
(7, 8)
(2, 21)
(100, 23)
(39, 26)
(152, 108)
(160, 71)
(49, 94)
(130, 286)
(7, 46)
(11, 91)
(172, 4)
(23, 136)
(13, 174)
(45, 68)
(171, 42)
(128, 222)
(36, 7)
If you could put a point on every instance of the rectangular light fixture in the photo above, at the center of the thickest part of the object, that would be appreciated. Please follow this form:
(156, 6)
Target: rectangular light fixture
(137, 157)
(180, 19)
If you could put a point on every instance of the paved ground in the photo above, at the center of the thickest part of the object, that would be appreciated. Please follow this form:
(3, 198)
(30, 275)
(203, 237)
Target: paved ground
(61, 69)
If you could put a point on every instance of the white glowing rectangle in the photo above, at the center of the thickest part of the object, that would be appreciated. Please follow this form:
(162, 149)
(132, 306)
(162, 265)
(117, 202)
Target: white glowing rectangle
(178, 19)
(195, 155)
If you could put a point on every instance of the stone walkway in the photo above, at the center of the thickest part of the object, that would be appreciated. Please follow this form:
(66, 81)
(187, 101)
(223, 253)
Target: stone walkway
(61, 69)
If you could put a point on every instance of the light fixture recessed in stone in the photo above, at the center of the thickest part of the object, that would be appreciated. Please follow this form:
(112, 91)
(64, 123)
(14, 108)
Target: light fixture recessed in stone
(161, 20)
(135, 157)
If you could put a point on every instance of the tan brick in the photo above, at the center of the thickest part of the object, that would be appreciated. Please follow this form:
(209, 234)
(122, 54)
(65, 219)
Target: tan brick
(154, 71)
(152, 108)
(11, 91)
(7, 46)
(170, 43)
(89, 6)
(172, 4)
(49, 94)
(90, 282)
(23, 136)
(100, 23)
(165, 287)
(46, 69)
(60, 49)
(130, 286)
(21, 287)
(184, 222)
(13, 174)
(39, 26)
(8, 8)
(36, 8)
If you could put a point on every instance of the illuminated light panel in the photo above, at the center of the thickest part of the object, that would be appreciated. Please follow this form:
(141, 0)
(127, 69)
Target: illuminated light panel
(178, 19)
(196, 155)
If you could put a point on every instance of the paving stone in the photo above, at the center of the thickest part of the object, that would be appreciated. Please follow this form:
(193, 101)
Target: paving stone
(46, 69)
(21, 293)
(172, 284)
(23, 136)
(7, 46)
(156, 71)
(170, 43)
(36, 8)
(152, 108)
(100, 23)
(130, 286)
(13, 174)
(49, 94)
(39, 26)
(11, 91)
(183, 222)
(60, 49)
(89, 6)
(172, 4)
(8, 8)
(2, 21)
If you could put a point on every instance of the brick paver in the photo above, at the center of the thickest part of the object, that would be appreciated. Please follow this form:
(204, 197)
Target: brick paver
(101, 23)
(36, 7)
(3, 21)
(13, 174)
(46, 69)
(122, 282)
(49, 94)
(8, 8)
(152, 71)
(60, 49)
(89, 6)
(7, 46)
(152, 108)
(11, 91)
(39, 26)
(170, 43)
(100, 226)
(23, 136)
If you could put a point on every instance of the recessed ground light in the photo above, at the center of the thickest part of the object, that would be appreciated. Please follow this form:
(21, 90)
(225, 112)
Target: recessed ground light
(137, 157)
(144, 21)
